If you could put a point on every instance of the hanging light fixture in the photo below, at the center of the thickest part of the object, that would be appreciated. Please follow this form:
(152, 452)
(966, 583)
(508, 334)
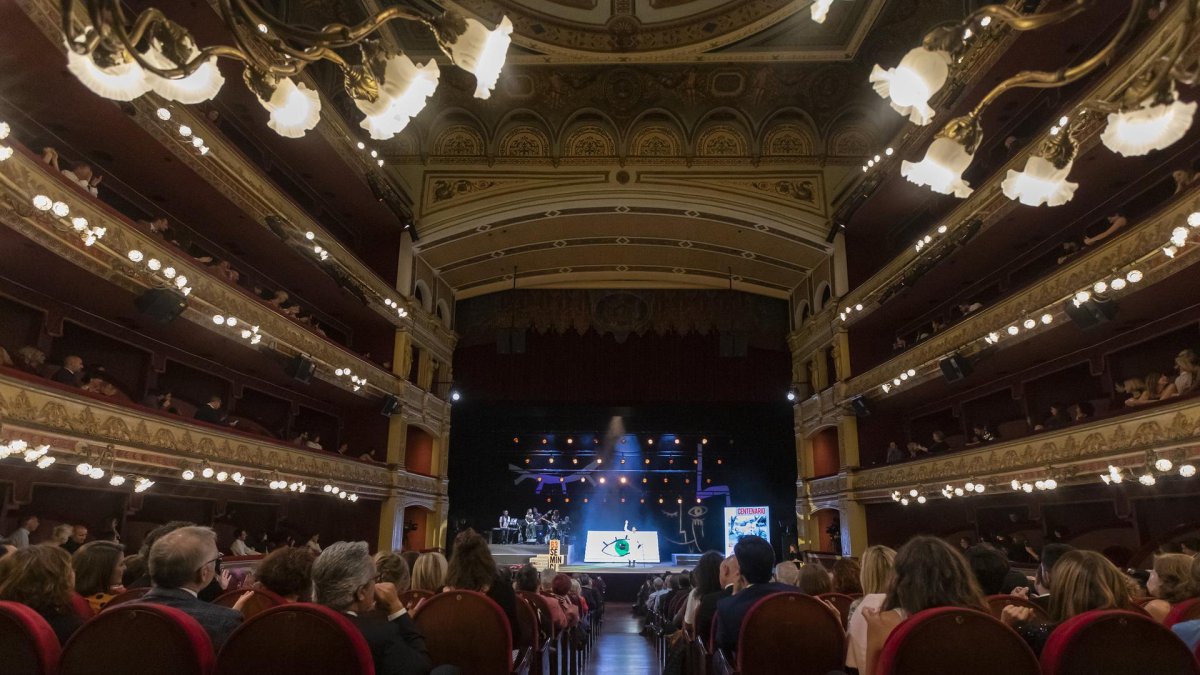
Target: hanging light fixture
(948, 156)
(109, 70)
(481, 53)
(1044, 180)
(819, 9)
(1158, 122)
(910, 85)
(403, 90)
(294, 108)
(172, 47)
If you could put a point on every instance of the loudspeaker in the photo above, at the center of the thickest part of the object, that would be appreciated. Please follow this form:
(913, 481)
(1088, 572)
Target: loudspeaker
(1091, 313)
(861, 407)
(391, 406)
(955, 367)
(161, 304)
(510, 341)
(299, 368)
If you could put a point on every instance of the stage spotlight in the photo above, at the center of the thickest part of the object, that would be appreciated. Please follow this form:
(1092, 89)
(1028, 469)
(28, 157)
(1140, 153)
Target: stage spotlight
(676, 441)
(664, 480)
(679, 500)
(660, 500)
(622, 480)
(647, 460)
(703, 441)
(585, 500)
(516, 440)
(570, 441)
(545, 441)
(602, 480)
(696, 460)
(697, 500)
(644, 480)
(671, 461)
(622, 500)
(574, 460)
(547, 500)
(551, 460)
(642, 500)
(566, 500)
(599, 460)
(687, 481)
(622, 460)
(719, 461)
(792, 395)
(650, 441)
(526, 460)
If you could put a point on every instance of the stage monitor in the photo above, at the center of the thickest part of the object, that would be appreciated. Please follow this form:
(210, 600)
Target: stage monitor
(745, 520)
(616, 546)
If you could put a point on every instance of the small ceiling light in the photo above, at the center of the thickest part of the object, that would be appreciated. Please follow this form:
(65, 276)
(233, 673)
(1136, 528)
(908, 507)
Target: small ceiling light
(218, 319)
(83, 469)
(1170, 251)
(169, 272)
(153, 264)
(1044, 179)
(96, 473)
(1133, 276)
(1029, 324)
(1179, 236)
(1026, 487)
(1047, 318)
(942, 167)
(921, 499)
(910, 85)
(222, 476)
(187, 474)
(135, 255)
(1100, 287)
(1187, 470)
(1117, 284)
(1082, 297)
(1013, 330)
(42, 202)
(1163, 464)
(61, 210)
(294, 108)
(913, 492)
(163, 114)
(116, 480)
(185, 130)
(889, 152)
(1147, 479)
(904, 501)
(231, 321)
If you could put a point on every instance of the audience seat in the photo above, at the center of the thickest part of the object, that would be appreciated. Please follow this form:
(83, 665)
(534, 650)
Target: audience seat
(468, 630)
(997, 603)
(297, 638)
(1115, 642)
(261, 600)
(1188, 610)
(138, 638)
(127, 596)
(80, 606)
(788, 633)
(953, 640)
(841, 601)
(411, 598)
(27, 642)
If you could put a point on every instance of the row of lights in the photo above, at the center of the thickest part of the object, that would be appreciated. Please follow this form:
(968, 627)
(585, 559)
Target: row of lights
(185, 133)
(249, 333)
(1179, 235)
(205, 470)
(877, 159)
(917, 494)
(164, 270)
(356, 382)
(623, 460)
(400, 311)
(274, 481)
(372, 151)
(928, 239)
(624, 440)
(641, 500)
(88, 234)
(38, 455)
(340, 493)
(899, 380)
(1164, 466)
(96, 472)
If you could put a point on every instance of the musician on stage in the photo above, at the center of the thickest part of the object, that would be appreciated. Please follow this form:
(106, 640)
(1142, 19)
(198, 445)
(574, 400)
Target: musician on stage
(530, 533)
(507, 528)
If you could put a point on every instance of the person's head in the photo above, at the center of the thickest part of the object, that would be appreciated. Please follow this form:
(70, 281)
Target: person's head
(99, 566)
(729, 571)
(429, 572)
(546, 580)
(1083, 581)
(30, 522)
(1155, 381)
(561, 585)
(892, 445)
(938, 437)
(1083, 409)
(240, 534)
(876, 569)
(814, 580)
(1133, 386)
(184, 558)
(135, 568)
(527, 579)
(410, 557)
(164, 399)
(31, 357)
(393, 569)
(1057, 409)
(154, 535)
(656, 583)
(471, 566)
(846, 574)
(1051, 553)
(786, 572)
(158, 224)
(73, 363)
(576, 589)
(1187, 361)
(61, 534)
(79, 534)
(214, 402)
(755, 558)
(989, 565)
(344, 577)
(707, 574)
(505, 514)
(932, 573)
(287, 572)
(1171, 578)
(281, 296)
(39, 577)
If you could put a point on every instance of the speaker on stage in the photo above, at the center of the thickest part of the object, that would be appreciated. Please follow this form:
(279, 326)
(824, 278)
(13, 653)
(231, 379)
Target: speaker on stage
(161, 304)
(300, 368)
(1091, 313)
(955, 367)
(860, 406)
(391, 406)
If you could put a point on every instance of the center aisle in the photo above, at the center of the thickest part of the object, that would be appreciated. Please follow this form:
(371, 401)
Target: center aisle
(621, 647)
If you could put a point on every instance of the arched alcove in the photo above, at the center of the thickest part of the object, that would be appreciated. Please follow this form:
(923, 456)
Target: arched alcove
(418, 453)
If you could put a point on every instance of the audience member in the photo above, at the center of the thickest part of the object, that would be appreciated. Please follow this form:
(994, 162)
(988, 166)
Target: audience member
(894, 453)
(314, 545)
(60, 535)
(990, 567)
(1150, 391)
(71, 372)
(939, 443)
(99, 569)
(26, 525)
(755, 558)
(846, 576)
(239, 546)
(527, 579)
(814, 580)
(1082, 412)
(161, 401)
(211, 412)
(928, 573)
(286, 572)
(344, 581)
(1170, 582)
(1188, 366)
(706, 579)
(788, 572)
(983, 433)
(41, 578)
(1083, 581)
(560, 607)
(80, 173)
(30, 360)
(915, 450)
(429, 572)
(1115, 222)
(394, 570)
(472, 568)
(135, 569)
(1057, 419)
(1051, 553)
(182, 563)
(876, 577)
(226, 272)
(1189, 631)
(969, 308)
(79, 535)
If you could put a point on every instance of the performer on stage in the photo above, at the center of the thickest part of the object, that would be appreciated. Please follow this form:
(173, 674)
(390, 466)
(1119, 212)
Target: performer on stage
(630, 531)
(507, 528)
(530, 527)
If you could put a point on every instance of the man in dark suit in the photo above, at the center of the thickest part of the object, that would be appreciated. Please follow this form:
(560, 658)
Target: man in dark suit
(182, 563)
(755, 560)
(211, 412)
(344, 581)
(71, 372)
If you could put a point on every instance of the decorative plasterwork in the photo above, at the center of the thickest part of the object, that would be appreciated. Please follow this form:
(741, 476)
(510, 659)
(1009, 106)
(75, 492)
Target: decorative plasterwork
(800, 190)
(158, 445)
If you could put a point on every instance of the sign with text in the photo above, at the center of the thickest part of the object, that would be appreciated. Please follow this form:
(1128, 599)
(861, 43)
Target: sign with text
(741, 521)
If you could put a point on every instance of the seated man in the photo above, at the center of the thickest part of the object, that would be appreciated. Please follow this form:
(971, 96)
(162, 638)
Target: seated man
(71, 372)
(756, 560)
(211, 412)
(344, 581)
(182, 563)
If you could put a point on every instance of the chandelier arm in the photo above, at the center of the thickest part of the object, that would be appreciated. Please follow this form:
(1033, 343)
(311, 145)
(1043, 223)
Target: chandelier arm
(332, 35)
(1041, 79)
(947, 36)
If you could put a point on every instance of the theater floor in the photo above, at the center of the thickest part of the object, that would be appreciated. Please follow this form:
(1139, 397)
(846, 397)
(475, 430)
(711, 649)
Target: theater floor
(622, 648)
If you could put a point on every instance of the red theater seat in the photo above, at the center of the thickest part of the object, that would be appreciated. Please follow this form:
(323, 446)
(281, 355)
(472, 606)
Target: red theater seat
(468, 630)
(27, 643)
(997, 603)
(296, 638)
(952, 640)
(80, 606)
(412, 598)
(1115, 642)
(261, 600)
(127, 596)
(842, 602)
(789, 633)
(1188, 610)
(138, 638)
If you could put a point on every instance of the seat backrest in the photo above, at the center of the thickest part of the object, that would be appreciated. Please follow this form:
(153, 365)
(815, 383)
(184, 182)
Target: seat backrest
(468, 630)
(953, 640)
(1115, 642)
(997, 603)
(1188, 610)
(296, 638)
(138, 637)
(27, 641)
(80, 606)
(841, 601)
(525, 636)
(411, 598)
(792, 633)
(541, 604)
(127, 596)
(260, 600)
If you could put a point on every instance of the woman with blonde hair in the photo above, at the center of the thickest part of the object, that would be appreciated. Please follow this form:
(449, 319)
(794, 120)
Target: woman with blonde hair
(429, 574)
(1082, 581)
(875, 573)
(1170, 582)
(393, 569)
(61, 534)
(40, 577)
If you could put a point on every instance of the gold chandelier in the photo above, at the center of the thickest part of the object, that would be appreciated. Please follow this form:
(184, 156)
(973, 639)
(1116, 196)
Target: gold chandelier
(122, 57)
(1148, 115)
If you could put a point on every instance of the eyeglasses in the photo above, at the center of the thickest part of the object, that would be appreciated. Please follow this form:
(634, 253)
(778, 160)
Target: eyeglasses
(219, 556)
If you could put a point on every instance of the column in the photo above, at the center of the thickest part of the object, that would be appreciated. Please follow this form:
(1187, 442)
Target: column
(402, 354)
(391, 524)
(425, 370)
(854, 527)
(404, 270)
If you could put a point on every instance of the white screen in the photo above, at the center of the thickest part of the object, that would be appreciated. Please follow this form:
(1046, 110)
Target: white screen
(615, 546)
(744, 520)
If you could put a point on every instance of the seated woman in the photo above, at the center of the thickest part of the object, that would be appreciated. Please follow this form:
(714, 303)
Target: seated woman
(429, 572)
(814, 580)
(1134, 388)
(928, 573)
(99, 570)
(30, 360)
(1156, 387)
(1082, 581)
(472, 568)
(1187, 364)
(41, 578)
(287, 572)
(1170, 582)
(393, 569)
(875, 577)
(846, 577)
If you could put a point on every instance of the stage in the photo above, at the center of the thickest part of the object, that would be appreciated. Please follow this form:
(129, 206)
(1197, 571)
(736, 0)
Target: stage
(519, 554)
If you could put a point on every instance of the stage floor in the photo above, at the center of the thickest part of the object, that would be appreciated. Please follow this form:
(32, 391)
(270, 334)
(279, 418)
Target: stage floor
(519, 554)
